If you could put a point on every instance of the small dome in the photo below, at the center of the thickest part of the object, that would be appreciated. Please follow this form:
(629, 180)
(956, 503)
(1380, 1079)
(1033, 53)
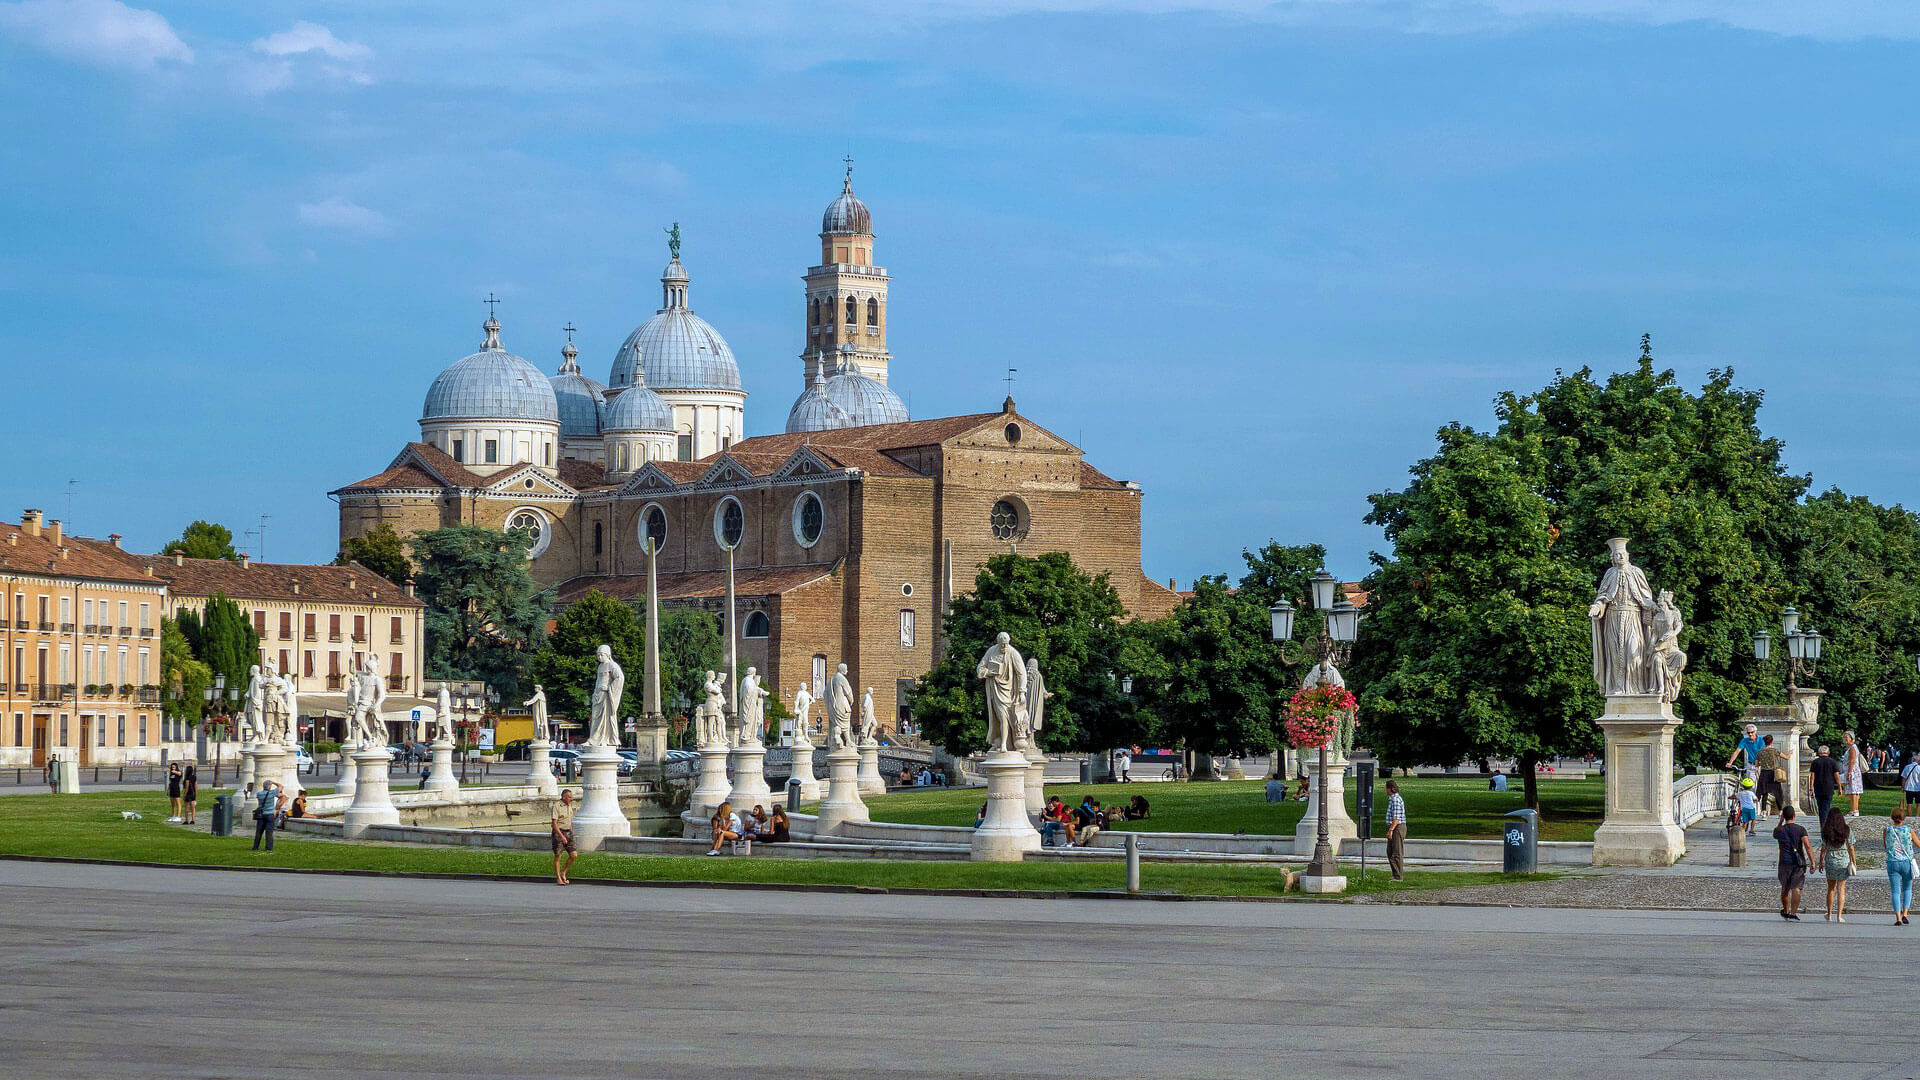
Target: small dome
(678, 349)
(492, 384)
(638, 409)
(847, 214)
(865, 400)
(582, 400)
(813, 411)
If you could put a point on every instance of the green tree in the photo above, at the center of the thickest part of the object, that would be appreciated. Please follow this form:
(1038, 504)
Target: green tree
(229, 645)
(690, 646)
(1055, 612)
(381, 551)
(1223, 674)
(485, 616)
(184, 680)
(204, 540)
(567, 662)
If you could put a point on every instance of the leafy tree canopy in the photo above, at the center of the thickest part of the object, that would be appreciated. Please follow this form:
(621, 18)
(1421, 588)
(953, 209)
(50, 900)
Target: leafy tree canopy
(568, 660)
(204, 540)
(381, 551)
(228, 643)
(485, 616)
(183, 679)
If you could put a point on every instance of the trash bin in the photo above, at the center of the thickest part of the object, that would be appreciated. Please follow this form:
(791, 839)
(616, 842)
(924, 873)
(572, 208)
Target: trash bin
(1086, 770)
(223, 815)
(1522, 847)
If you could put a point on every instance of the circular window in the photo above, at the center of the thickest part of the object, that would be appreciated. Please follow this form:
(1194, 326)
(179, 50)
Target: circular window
(529, 483)
(534, 523)
(653, 528)
(809, 518)
(906, 588)
(1013, 433)
(1009, 520)
(729, 523)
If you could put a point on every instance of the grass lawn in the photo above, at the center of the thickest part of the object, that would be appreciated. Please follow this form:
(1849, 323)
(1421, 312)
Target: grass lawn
(1436, 808)
(89, 826)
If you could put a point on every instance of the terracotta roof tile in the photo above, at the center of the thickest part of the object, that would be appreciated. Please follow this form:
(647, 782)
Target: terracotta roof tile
(696, 584)
(1091, 477)
(683, 472)
(84, 557)
(873, 437)
(276, 581)
(419, 465)
(582, 475)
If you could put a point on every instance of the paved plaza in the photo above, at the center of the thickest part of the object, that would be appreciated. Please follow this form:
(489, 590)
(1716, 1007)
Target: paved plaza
(129, 972)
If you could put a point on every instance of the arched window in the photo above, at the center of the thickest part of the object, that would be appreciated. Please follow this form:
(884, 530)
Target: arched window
(599, 542)
(626, 458)
(814, 318)
(653, 527)
(1008, 520)
(873, 313)
(853, 311)
(756, 625)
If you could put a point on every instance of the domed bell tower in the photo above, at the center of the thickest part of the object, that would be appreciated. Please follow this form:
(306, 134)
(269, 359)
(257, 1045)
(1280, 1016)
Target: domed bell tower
(846, 293)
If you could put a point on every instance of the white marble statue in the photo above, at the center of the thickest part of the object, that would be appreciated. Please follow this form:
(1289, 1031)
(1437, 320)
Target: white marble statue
(1033, 710)
(443, 715)
(609, 684)
(1622, 615)
(840, 711)
(1668, 660)
(802, 707)
(273, 705)
(869, 726)
(712, 731)
(752, 704)
(538, 703)
(366, 696)
(1005, 674)
(255, 708)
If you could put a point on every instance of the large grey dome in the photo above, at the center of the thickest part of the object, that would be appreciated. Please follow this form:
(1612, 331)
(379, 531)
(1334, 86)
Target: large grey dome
(492, 384)
(865, 400)
(814, 411)
(638, 408)
(678, 349)
(847, 214)
(582, 400)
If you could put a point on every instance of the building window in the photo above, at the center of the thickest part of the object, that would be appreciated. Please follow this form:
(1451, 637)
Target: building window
(906, 628)
(729, 523)
(306, 665)
(534, 523)
(757, 625)
(393, 629)
(814, 318)
(333, 628)
(143, 729)
(653, 528)
(310, 623)
(873, 313)
(1009, 520)
(599, 542)
(99, 727)
(460, 450)
(685, 447)
(1013, 433)
(491, 451)
(286, 626)
(63, 729)
(19, 729)
(809, 518)
(819, 677)
(853, 311)
(626, 458)
(145, 616)
(546, 452)
(123, 731)
(359, 628)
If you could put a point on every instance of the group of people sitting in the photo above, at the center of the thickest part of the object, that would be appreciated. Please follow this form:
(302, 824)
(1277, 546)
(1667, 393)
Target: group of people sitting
(926, 777)
(1080, 824)
(732, 827)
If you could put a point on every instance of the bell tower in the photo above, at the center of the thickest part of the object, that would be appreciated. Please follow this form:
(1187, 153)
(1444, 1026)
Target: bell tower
(846, 307)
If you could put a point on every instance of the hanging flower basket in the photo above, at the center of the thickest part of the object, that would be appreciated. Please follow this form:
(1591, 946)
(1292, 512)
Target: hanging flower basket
(1313, 715)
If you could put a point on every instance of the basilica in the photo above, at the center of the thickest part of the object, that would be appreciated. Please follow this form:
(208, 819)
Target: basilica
(849, 531)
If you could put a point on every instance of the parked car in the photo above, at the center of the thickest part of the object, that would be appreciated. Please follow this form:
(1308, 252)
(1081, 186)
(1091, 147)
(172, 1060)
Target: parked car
(303, 761)
(558, 760)
(683, 755)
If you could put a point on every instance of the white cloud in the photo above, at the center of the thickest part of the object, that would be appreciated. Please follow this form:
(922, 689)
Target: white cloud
(344, 215)
(307, 47)
(103, 32)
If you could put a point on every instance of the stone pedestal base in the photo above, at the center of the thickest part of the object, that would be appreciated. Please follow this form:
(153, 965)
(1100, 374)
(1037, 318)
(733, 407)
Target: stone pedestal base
(1236, 769)
(1639, 828)
(1340, 824)
(269, 763)
(1323, 885)
(599, 815)
(650, 747)
(803, 769)
(372, 802)
(1036, 783)
(540, 768)
(440, 776)
(712, 788)
(1006, 834)
(249, 768)
(871, 782)
(749, 778)
(66, 775)
(347, 782)
(843, 803)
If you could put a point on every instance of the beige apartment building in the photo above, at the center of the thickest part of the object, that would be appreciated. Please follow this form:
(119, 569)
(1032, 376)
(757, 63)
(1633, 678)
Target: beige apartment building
(79, 649)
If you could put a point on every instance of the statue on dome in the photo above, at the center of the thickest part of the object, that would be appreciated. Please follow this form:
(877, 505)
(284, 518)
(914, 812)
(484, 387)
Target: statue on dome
(673, 240)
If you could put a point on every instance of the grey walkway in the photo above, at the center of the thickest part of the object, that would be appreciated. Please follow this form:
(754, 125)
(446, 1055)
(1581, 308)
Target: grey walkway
(126, 972)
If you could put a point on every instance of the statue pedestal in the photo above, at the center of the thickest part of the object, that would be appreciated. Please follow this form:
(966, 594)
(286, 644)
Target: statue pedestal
(1006, 834)
(346, 783)
(712, 788)
(1340, 824)
(540, 768)
(650, 747)
(1036, 782)
(249, 767)
(749, 777)
(440, 776)
(372, 802)
(1640, 828)
(843, 803)
(599, 815)
(289, 777)
(803, 767)
(871, 782)
(269, 763)
(1236, 769)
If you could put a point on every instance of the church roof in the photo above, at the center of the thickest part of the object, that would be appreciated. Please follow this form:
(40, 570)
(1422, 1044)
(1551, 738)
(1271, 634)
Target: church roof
(871, 437)
(582, 475)
(418, 465)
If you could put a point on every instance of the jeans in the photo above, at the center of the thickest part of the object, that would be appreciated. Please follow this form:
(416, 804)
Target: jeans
(264, 827)
(1900, 879)
(1825, 805)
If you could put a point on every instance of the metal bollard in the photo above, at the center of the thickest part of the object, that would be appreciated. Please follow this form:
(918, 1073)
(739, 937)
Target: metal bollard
(1737, 845)
(1133, 862)
(793, 795)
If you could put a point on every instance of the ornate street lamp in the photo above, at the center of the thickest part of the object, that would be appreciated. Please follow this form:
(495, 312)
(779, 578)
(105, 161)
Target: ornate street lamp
(1338, 629)
(1803, 649)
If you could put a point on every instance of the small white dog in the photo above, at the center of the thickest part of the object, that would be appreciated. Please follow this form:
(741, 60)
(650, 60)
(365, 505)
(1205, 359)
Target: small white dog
(130, 815)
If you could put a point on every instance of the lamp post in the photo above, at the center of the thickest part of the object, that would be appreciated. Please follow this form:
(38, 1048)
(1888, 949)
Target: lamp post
(1803, 650)
(1337, 630)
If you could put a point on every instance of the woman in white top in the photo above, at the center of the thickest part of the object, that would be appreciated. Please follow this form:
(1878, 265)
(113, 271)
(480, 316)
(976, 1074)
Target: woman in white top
(1855, 764)
(726, 827)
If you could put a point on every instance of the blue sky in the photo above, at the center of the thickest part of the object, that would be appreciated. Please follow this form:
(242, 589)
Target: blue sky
(1248, 255)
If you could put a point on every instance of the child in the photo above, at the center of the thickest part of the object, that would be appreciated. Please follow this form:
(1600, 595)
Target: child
(1749, 806)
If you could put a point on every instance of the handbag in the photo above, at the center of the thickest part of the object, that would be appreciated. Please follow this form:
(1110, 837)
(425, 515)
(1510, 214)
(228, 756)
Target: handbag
(1779, 775)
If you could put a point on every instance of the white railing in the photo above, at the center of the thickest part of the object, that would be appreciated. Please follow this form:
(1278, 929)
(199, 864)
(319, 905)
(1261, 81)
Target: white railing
(1701, 795)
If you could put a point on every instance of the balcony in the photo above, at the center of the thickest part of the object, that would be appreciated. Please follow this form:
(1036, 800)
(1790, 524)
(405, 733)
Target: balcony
(359, 639)
(66, 628)
(333, 681)
(149, 695)
(334, 636)
(20, 688)
(146, 631)
(46, 627)
(126, 631)
(90, 628)
(52, 693)
(22, 624)
(310, 636)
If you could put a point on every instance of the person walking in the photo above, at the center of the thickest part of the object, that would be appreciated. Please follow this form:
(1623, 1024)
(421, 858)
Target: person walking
(1826, 782)
(1836, 858)
(173, 794)
(562, 827)
(1900, 864)
(1123, 763)
(189, 794)
(1910, 785)
(266, 813)
(1396, 831)
(52, 776)
(1796, 853)
(1773, 774)
(1855, 774)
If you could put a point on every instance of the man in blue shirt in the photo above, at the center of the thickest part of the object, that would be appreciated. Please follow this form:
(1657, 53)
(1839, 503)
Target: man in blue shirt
(1747, 753)
(1396, 830)
(266, 814)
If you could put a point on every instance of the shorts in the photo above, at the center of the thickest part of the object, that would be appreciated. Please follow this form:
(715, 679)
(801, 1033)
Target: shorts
(566, 845)
(1913, 795)
(1749, 813)
(1792, 877)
